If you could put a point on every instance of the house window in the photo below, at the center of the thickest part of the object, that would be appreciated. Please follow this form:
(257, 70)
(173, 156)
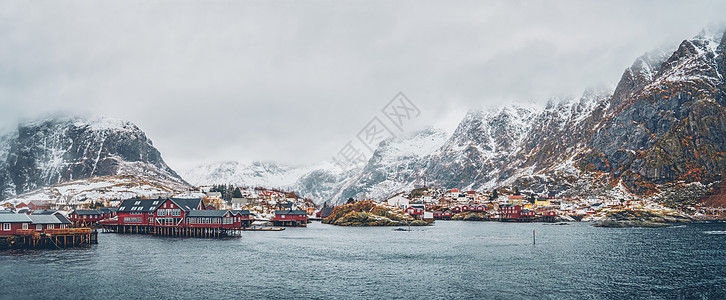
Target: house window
(137, 202)
(25, 225)
(50, 226)
(6, 226)
(39, 227)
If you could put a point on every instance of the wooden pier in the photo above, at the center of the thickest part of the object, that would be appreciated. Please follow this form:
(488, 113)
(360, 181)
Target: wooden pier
(173, 231)
(50, 238)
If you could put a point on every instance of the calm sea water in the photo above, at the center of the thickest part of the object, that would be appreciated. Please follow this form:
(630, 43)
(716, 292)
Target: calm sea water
(450, 260)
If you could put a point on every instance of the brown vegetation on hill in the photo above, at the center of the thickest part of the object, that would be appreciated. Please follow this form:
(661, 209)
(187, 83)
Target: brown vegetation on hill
(717, 196)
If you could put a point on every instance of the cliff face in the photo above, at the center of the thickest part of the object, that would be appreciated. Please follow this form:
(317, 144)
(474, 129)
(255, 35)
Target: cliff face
(42, 153)
(669, 128)
(664, 123)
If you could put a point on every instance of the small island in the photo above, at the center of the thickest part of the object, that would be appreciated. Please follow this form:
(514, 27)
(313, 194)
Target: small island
(640, 218)
(370, 213)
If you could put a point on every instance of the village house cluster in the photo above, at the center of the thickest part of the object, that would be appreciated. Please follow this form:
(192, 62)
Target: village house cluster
(438, 204)
(194, 214)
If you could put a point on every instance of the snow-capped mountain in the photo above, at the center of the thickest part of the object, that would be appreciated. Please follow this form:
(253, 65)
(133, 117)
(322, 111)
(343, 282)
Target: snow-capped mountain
(257, 173)
(396, 164)
(45, 152)
(311, 181)
(671, 127)
(665, 122)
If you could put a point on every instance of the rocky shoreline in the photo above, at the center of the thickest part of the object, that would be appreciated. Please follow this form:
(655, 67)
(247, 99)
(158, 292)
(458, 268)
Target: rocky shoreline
(369, 213)
(641, 218)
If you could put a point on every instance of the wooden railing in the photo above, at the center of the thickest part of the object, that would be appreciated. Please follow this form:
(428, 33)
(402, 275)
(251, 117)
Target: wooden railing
(55, 231)
(69, 231)
(26, 232)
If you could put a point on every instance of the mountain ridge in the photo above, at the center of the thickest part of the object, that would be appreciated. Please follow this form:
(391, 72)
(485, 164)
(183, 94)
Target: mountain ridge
(47, 151)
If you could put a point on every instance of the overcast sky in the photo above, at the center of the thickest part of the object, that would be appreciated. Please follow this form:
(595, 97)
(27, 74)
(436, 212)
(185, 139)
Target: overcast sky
(293, 81)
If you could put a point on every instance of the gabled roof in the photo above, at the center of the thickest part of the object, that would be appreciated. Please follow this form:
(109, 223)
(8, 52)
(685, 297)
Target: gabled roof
(44, 212)
(14, 218)
(45, 219)
(106, 210)
(207, 213)
(290, 212)
(139, 205)
(187, 204)
(63, 219)
(241, 212)
(88, 212)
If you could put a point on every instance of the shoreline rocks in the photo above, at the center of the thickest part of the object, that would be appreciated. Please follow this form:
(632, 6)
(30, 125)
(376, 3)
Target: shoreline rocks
(369, 213)
(641, 218)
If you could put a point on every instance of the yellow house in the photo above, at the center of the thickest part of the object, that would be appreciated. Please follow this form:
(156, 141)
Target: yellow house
(528, 205)
(515, 200)
(541, 202)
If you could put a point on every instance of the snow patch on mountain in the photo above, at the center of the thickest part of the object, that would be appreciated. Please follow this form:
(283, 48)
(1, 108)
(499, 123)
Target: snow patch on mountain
(47, 151)
(102, 188)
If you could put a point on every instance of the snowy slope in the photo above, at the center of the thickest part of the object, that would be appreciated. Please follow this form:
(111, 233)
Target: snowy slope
(103, 188)
(43, 152)
(316, 182)
(257, 173)
(398, 163)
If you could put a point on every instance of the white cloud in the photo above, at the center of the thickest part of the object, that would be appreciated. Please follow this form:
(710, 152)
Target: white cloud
(294, 80)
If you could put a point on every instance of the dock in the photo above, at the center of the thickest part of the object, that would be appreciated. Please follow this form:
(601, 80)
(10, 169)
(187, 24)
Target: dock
(264, 229)
(50, 238)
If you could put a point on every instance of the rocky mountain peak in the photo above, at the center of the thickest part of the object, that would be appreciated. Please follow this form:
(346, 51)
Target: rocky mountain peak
(43, 152)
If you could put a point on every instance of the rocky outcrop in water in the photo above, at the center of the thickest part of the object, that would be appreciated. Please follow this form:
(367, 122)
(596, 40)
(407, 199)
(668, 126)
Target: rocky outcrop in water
(640, 218)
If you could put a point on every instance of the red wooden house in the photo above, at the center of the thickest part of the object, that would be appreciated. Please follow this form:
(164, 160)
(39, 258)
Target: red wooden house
(456, 209)
(108, 212)
(549, 216)
(209, 219)
(134, 215)
(290, 218)
(510, 211)
(172, 211)
(42, 222)
(242, 218)
(414, 211)
(445, 215)
(38, 205)
(527, 214)
(85, 217)
(10, 223)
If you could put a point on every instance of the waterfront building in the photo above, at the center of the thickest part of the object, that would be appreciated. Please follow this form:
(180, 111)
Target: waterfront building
(85, 217)
(290, 218)
(11, 223)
